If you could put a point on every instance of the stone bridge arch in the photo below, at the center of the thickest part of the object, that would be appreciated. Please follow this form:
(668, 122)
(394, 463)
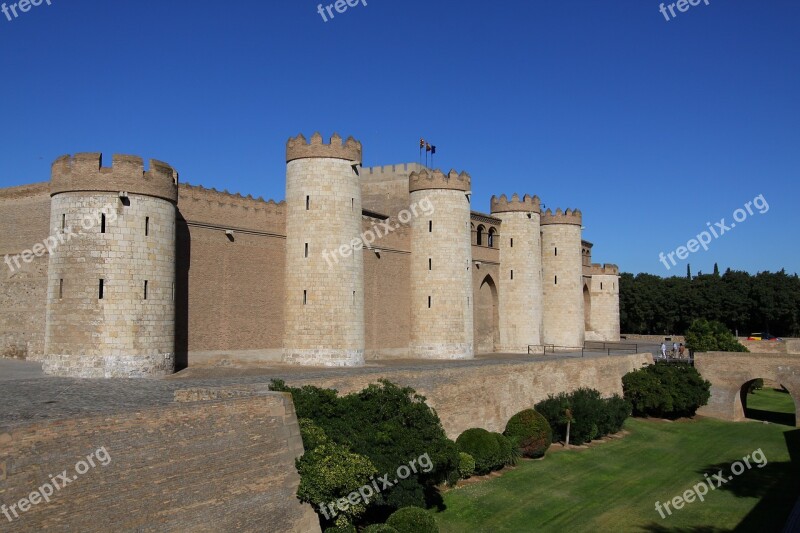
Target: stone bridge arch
(729, 372)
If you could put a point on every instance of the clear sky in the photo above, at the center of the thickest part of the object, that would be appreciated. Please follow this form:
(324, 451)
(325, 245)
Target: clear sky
(651, 127)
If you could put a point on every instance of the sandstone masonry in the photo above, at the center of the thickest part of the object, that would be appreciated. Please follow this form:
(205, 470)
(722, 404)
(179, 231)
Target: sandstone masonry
(164, 274)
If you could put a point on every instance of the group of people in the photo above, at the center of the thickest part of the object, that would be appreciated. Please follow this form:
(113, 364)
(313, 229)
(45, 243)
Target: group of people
(677, 350)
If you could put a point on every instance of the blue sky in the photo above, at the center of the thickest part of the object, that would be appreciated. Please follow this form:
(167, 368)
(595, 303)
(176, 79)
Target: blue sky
(651, 127)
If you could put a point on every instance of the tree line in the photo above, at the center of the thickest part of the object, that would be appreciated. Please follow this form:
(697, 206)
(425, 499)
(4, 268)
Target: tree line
(766, 302)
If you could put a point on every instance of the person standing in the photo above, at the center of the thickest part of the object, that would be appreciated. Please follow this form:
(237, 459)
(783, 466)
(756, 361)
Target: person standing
(674, 349)
(663, 350)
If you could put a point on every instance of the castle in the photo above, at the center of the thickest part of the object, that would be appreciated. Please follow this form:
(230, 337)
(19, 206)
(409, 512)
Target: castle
(153, 273)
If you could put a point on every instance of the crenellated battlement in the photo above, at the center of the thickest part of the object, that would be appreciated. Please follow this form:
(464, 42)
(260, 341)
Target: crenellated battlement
(570, 216)
(596, 269)
(436, 179)
(527, 204)
(85, 172)
(299, 148)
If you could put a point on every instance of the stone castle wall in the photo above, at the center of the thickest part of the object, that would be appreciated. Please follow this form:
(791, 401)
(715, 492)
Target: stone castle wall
(324, 299)
(441, 276)
(604, 307)
(520, 295)
(232, 268)
(562, 282)
(213, 465)
(229, 288)
(25, 214)
(110, 299)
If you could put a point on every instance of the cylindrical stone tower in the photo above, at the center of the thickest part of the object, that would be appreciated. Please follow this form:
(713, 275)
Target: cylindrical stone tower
(324, 303)
(111, 277)
(520, 291)
(562, 279)
(604, 302)
(441, 267)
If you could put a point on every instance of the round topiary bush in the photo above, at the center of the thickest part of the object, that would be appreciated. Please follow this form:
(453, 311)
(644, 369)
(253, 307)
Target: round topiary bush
(466, 465)
(412, 520)
(379, 528)
(507, 453)
(532, 432)
(482, 446)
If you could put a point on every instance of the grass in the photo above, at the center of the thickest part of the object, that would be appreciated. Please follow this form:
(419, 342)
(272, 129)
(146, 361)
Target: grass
(614, 486)
(769, 399)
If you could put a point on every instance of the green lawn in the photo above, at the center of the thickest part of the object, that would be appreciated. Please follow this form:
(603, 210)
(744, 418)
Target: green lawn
(769, 399)
(614, 486)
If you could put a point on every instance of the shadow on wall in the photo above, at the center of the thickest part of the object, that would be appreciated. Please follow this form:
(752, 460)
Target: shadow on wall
(183, 260)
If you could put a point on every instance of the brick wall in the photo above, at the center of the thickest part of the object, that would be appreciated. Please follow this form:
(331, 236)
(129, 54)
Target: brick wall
(215, 465)
(487, 395)
(25, 213)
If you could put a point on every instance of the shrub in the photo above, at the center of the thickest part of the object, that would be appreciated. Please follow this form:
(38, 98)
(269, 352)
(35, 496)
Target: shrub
(483, 447)
(712, 336)
(509, 454)
(531, 431)
(379, 528)
(666, 390)
(413, 520)
(756, 384)
(331, 471)
(553, 409)
(592, 416)
(617, 410)
(388, 424)
(343, 529)
(312, 434)
(466, 465)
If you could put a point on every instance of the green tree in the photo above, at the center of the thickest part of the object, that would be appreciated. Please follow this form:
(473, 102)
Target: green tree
(329, 472)
(712, 336)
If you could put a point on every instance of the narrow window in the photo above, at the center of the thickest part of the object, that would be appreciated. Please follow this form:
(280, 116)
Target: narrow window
(354, 297)
(145, 289)
(60, 289)
(556, 252)
(430, 264)
(173, 291)
(352, 203)
(305, 297)
(100, 295)
(430, 226)
(512, 242)
(467, 301)
(102, 223)
(308, 202)
(601, 285)
(306, 252)
(63, 221)
(146, 226)
(556, 281)
(429, 302)
(512, 274)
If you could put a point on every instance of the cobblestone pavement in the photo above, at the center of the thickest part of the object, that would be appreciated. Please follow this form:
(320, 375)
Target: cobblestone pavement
(26, 394)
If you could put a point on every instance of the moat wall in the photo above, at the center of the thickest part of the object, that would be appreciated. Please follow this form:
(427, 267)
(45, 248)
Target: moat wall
(487, 395)
(214, 465)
